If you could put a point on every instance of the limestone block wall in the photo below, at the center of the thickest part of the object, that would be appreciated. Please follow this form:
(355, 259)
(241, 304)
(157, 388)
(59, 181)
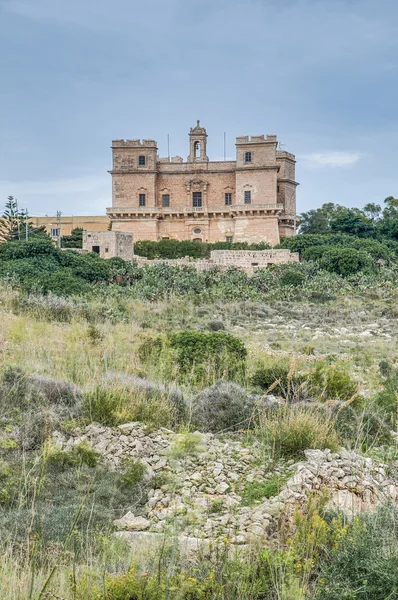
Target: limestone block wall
(247, 259)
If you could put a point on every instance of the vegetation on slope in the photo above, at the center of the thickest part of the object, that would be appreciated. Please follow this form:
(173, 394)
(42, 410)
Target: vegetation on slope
(84, 340)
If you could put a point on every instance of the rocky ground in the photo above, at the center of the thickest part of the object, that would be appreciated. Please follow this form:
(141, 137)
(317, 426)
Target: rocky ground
(198, 482)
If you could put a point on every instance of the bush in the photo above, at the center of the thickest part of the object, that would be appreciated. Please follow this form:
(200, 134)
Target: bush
(293, 278)
(223, 406)
(151, 393)
(387, 399)
(331, 383)
(293, 429)
(172, 249)
(114, 405)
(345, 261)
(258, 490)
(134, 471)
(208, 356)
(281, 379)
(58, 459)
(363, 564)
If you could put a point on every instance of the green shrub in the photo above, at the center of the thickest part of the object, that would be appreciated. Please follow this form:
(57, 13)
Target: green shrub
(257, 491)
(208, 356)
(292, 278)
(293, 429)
(108, 406)
(58, 459)
(363, 564)
(216, 325)
(172, 249)
(345, 261)
(332, 383)
(134, 471)
(281, 379)
(114, 405)
(387, 399)
(185, 444)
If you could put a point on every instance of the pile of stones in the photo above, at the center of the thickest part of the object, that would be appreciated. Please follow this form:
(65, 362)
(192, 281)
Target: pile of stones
(197, 482)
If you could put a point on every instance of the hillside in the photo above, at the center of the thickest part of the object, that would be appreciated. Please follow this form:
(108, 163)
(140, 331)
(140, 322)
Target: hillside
(187, 415)
(172, 433)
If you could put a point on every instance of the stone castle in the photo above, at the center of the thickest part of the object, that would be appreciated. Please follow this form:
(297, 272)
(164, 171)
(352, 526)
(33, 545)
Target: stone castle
(252, 199)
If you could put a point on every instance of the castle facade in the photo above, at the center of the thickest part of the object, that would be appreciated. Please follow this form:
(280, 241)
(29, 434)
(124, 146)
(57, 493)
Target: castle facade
(252, 199)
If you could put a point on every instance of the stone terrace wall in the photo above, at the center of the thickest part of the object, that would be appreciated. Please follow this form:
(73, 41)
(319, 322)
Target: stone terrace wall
(246, 260)
(252, 258)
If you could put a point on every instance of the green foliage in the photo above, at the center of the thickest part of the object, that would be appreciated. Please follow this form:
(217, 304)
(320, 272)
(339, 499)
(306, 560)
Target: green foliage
(317, 221)
(180, 249)
(293, 278)
(331, 383)
(344, 261)
(38, 266)
(118, 404)
(60, 460)
(279, 378)
(362, 564)
(258, 490)
(133, 474)
(207, 356)
(75, 240)
(293, 429)
(185, 444)
(387, 399)
(15, 224)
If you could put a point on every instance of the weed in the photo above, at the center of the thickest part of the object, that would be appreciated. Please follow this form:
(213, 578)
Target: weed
(258, 490)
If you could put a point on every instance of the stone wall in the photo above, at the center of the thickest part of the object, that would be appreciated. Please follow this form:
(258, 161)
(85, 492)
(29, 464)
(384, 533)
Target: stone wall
(204, 495)
(246, 260)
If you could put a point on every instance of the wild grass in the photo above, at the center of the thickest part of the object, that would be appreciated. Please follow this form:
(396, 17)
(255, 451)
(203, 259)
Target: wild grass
(86, 366)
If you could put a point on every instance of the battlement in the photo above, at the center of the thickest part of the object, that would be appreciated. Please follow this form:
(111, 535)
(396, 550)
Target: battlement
(134, 144)
(255, 139)
(282, 154)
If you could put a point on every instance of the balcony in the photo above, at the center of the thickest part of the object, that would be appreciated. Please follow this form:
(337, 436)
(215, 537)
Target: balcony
(159, 211)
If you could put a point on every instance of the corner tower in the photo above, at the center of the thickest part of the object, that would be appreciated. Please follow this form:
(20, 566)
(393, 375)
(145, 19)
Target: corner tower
(197, 144)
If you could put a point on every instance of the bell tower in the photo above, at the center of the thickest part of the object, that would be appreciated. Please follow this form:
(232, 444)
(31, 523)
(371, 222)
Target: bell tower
(197, 144)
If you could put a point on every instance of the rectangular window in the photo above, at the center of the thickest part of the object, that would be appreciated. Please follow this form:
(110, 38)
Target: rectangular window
(229, 239)
(248, 157)
(141, 200)
(54, 232)
(142, 161)
(166, 200)
(248, 197)
(277, 188)
(197, 199)
(228, 199)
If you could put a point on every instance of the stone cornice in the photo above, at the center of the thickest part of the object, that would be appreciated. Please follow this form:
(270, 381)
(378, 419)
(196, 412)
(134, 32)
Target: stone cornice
(285, 180)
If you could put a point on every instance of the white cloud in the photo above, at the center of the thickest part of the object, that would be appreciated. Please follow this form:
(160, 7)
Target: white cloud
(329, 159)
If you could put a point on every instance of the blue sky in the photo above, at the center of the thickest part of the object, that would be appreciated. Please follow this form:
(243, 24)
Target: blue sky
(75, 74)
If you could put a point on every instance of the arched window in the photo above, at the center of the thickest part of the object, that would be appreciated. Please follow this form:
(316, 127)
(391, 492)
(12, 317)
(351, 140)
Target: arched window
(197, 150)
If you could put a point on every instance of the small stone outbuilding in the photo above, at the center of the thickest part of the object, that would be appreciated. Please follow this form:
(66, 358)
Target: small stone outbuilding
(109, 244)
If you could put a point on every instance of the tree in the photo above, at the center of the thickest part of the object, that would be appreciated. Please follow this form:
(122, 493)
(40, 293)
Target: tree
(318, 220)
(10, 222)
(388, 225)
(353, 221)
(372, 211)
(74, 240)
(15, 222)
